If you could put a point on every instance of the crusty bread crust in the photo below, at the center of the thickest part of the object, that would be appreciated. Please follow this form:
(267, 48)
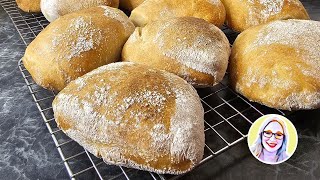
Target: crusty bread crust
(210, 10)
(53, 9)
(76, 44)
(134, 116)
(277, 64)
(189, 47)
(243, 14)
(29, 5)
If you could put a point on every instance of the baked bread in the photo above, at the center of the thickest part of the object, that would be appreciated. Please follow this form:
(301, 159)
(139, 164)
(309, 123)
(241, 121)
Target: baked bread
(278, 65)
(53, 9)
(242, 14)
(29, 5)
(76, 44)
(189, 47)
(134, 116)
(210, 10)
(130, 4)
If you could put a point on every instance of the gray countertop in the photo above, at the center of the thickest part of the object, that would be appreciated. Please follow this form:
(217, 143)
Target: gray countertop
(28, 152)
(26, 148)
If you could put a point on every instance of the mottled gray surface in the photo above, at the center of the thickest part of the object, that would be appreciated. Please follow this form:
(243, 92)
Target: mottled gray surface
(26, 148)
(28, 152)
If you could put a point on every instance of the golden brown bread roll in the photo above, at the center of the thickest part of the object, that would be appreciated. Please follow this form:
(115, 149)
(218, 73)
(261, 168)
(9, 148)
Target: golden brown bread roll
(76, 44)
(242, 14)
(210, 10)
(53, 9)
(278, 65)
(29, 5)
(130, 4)
(134, 116)
(188, 47)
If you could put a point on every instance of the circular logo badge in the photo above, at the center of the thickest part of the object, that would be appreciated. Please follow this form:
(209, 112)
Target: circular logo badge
(272, 139)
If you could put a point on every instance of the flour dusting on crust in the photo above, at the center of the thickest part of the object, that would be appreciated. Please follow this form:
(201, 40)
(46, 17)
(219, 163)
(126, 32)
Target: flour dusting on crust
(101, 118)
(187, 128)
(214, 2)
(205, 52)
(261, 10)
(88, 38)
(120, 16)
(287, 83)
(269, 8)
(298, 34)
(49, 9)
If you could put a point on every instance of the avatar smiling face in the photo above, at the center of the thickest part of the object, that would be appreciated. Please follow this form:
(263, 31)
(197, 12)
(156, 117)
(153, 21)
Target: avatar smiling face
(272, 139)
(272, 136)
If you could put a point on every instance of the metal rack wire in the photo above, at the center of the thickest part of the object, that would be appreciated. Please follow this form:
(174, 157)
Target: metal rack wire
(228, 115)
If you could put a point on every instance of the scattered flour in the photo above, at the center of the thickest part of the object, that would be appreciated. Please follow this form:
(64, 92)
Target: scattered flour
(302, 35)
(117, 14)
(184, 139)
(79, 37)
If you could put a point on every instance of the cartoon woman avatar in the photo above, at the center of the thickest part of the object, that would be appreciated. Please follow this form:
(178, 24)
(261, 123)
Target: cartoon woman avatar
(271, 144)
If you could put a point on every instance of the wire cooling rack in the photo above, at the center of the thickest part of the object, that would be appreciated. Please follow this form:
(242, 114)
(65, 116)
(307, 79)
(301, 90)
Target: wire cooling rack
(228, 115)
